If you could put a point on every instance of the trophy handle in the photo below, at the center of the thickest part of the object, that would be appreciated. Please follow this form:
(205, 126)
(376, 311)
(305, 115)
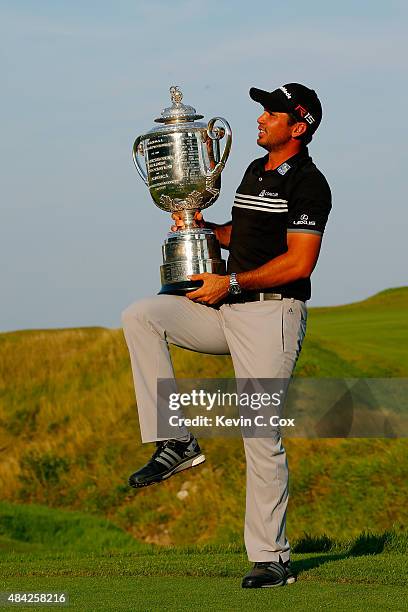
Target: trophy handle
(217, 135)
(136, 161)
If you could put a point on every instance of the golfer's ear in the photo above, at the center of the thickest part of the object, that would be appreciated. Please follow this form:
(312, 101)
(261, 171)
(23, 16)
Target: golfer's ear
(299, 129)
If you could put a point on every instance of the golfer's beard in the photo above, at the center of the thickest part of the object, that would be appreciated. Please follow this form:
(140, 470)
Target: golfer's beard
(275, 146)
(278, 145)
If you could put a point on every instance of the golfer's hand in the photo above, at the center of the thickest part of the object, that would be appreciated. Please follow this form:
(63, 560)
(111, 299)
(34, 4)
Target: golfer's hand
(213, 289)
(179, 222)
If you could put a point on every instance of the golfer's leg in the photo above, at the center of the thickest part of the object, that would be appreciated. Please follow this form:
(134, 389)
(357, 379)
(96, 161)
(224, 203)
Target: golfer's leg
(149, 325)
(265, 340)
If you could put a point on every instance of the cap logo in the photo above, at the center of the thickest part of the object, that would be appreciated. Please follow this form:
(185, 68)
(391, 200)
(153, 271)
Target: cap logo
(285, 91)
(304, 114)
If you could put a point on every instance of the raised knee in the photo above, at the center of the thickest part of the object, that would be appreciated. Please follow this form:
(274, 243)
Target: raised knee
(137, 311)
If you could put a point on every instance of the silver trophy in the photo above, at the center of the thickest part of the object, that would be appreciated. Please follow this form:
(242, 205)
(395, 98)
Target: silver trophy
(182, 169)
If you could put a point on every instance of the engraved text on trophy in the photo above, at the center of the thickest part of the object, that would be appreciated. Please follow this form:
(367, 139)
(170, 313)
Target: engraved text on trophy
(173, 164)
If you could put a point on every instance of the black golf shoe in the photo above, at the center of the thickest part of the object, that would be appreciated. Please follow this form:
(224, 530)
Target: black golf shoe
(170, 457)
(269, 574)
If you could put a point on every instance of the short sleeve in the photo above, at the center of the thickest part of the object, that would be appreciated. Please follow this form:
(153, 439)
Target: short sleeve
(310, 205)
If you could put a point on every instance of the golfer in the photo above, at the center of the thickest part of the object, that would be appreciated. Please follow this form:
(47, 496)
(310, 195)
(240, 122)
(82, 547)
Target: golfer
(256, 313)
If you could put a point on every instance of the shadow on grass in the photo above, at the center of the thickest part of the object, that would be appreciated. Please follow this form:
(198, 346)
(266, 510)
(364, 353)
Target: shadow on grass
(308, 564)
(311, 544)
(364, 544)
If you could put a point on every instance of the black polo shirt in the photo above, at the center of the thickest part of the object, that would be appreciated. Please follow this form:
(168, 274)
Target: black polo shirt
(295, 197)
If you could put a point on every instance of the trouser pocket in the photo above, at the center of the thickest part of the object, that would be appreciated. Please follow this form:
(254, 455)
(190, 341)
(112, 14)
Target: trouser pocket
(294, 317)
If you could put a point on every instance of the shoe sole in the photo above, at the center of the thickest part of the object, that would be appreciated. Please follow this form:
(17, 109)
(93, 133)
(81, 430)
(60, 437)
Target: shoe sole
(188, 463)
(289, 580)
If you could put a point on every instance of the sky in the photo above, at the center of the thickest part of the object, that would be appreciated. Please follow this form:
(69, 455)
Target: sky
(80, 237)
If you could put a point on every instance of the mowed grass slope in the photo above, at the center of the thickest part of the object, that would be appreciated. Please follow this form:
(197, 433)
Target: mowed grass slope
(371, 336)
(69, 434)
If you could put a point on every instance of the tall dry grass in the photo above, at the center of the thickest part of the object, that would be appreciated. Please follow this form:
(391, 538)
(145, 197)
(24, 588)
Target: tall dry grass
(69, 438)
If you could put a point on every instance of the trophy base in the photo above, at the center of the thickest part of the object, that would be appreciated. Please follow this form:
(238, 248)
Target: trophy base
(174, 277)
(189, 252)
(180, 288)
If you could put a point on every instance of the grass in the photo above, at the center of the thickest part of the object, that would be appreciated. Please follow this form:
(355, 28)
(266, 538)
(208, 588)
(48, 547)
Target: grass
(209, 580)
(47, 530)
(69, 434)
(369, 336)
(36, 527)
(113, 572)
(183, 594)
(69, 438)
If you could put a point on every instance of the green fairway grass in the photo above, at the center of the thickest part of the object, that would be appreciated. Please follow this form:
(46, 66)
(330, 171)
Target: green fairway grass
(209, 581)
(183, 594)
(101, 567)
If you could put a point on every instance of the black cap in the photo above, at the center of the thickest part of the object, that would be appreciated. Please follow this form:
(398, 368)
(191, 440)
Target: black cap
(293, 98)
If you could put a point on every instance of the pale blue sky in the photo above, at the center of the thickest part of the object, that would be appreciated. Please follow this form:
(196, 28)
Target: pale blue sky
(80, 237)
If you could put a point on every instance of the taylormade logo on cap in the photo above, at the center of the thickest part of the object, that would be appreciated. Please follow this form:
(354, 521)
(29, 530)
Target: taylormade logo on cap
(285, 91)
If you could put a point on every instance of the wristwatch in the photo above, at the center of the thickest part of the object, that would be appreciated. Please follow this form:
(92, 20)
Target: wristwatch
(234, 286)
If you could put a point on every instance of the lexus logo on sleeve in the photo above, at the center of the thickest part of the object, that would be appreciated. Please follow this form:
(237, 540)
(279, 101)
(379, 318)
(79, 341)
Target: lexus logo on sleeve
(304, 220)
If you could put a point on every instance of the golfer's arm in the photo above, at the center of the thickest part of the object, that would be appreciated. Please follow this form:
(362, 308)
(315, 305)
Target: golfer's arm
(298, 262)
(222, 232)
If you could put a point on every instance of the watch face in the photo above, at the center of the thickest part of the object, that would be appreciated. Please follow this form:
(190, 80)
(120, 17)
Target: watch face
(235, 289)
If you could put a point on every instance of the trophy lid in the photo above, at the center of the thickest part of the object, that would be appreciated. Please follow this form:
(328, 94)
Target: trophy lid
(177, 111)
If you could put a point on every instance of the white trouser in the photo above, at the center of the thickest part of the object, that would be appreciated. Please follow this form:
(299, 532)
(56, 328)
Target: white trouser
(264, 340)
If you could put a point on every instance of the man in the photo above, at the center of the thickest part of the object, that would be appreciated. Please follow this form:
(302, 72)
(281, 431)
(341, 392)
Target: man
(278, 218)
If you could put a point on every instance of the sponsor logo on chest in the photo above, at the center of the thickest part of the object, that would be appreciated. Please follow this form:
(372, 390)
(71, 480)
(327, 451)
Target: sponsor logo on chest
(268, 194)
